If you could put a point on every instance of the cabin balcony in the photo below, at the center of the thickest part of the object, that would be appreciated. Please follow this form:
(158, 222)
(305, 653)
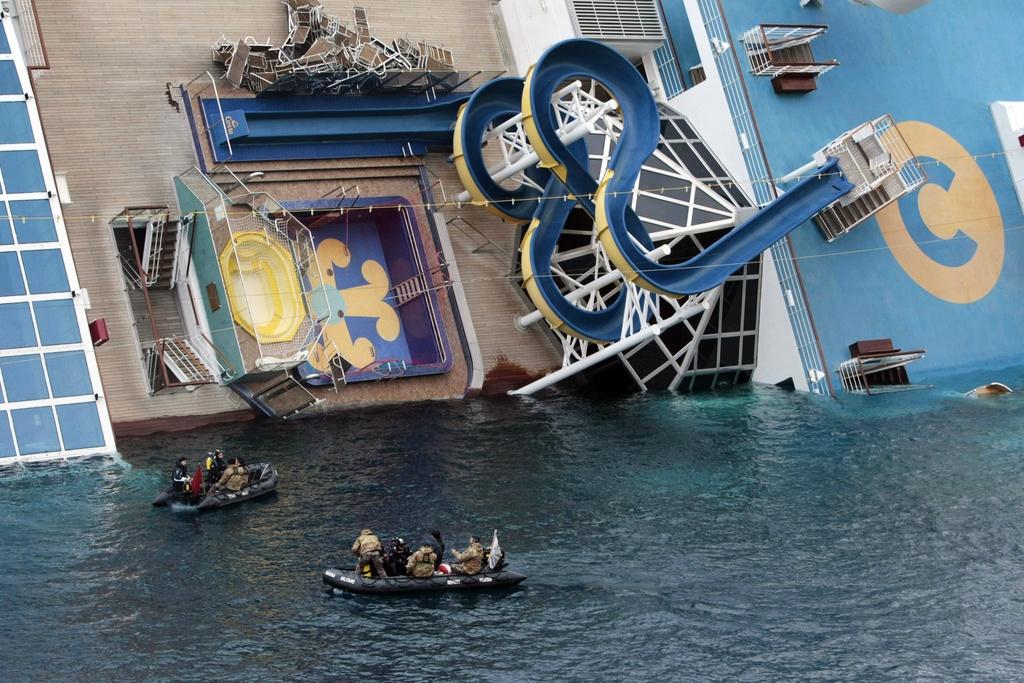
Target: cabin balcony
(783, 52)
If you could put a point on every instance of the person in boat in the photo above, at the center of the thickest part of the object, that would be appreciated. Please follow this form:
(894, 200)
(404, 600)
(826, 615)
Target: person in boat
(433, 539)
(396, 556)
(422, 563)
(216, 464)
(470, 561)
(235, 477)
(180, 478)
(367, 549)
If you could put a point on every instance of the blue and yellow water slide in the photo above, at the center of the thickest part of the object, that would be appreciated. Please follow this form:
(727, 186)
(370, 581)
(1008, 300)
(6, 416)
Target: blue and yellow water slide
(563, 173)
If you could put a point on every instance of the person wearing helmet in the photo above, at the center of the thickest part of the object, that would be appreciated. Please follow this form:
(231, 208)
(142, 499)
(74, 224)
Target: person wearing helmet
(180, 478)
(422, 562)
(216, 464)
(367, 549)
(396, 557)
(470, 560)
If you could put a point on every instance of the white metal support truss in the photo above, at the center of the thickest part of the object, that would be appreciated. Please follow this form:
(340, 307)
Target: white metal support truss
(677, 203)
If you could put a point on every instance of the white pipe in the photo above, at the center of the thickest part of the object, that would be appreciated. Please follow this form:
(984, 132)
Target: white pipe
(687, 311)
(578, 129)
(611, 276)
(802, 171)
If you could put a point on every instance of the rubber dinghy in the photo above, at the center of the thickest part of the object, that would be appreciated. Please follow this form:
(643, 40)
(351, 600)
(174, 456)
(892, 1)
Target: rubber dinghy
(348, 581)
(262, 480)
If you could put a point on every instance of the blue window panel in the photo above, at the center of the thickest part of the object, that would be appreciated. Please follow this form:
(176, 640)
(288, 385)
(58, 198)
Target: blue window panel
(6, 234)
(36, 431)
(16, 326)
(33, 221)
(57, 322)
(80, 425)
(69, 374)
(15, 126)
(22, 172)
(10, 84)
(45, 271)
(5, 48)
(11, 282)
(6, 441)
(23, 377)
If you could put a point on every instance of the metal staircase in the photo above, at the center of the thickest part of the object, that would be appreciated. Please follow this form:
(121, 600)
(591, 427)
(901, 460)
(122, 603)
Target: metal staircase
(281, 399)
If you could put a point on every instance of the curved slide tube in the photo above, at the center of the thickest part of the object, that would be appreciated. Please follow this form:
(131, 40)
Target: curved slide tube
(619, 229)
(712, 266)
(493, 102)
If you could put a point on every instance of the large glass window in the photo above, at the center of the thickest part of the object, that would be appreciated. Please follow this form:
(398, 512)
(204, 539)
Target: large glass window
(11, 282)
(69, 374)
(16, 326)
(15, 127)
(5, 48)
(33, 221)
(23, 377)
(57, 322)
(22, 172)
(6, 442)
(45, 271)
(36, 431)
(80, 425)
(10, 84)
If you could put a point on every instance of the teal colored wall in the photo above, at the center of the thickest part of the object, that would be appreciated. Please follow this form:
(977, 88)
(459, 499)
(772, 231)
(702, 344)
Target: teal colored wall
(207, 270)
(942, 65)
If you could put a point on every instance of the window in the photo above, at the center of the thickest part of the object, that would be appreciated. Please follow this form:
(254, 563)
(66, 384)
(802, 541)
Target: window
(21, 172)
(16, 326)
(80, 425)
(11, 282)
(4, 47)
(10, 84)
(36, 431)
(45, 271)
(33, 221)
(15, 126)
(212, 297)
(23, 377)
(69, 374)
(57, 322)
(6, 442)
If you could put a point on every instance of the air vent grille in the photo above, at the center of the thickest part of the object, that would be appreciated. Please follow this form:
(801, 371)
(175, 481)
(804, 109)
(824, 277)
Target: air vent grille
(618, 19)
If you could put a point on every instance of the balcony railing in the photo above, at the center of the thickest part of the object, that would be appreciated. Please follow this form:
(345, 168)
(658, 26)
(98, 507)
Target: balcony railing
(784, 49)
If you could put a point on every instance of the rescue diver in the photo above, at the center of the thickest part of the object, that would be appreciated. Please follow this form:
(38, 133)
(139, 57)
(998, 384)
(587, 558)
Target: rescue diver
(470, 560)
(396, 556)
(180, 479)
(235, 477)
(421, 563)
(216, 465)
(367, 549)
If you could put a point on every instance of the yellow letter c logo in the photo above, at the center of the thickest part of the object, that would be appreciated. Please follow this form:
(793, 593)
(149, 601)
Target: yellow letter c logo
(969, 207)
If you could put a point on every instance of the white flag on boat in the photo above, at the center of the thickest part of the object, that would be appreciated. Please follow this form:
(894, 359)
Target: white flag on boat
(495, 557)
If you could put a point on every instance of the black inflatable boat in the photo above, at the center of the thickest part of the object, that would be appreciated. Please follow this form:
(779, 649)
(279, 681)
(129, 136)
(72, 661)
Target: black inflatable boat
(348, 581)
(262, 480)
